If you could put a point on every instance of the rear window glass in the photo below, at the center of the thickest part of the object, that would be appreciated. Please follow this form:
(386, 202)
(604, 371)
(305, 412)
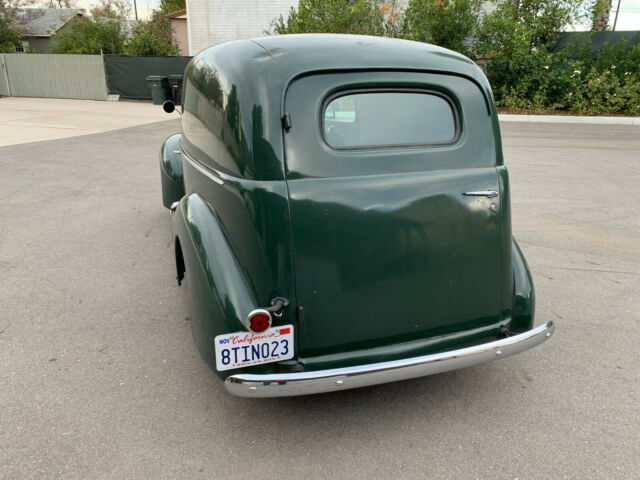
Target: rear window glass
(370, 119)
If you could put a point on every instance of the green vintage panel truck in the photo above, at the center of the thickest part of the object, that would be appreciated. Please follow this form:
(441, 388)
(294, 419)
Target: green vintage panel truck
(341, 214)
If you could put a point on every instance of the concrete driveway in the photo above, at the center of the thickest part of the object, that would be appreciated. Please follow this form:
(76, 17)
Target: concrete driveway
(24, 120)
(99, 377)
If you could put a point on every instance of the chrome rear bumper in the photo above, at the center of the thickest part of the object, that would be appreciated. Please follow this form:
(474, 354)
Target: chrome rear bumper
(305, 383)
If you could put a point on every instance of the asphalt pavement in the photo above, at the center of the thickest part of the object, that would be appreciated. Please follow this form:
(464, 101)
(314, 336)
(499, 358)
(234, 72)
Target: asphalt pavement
(99, 376)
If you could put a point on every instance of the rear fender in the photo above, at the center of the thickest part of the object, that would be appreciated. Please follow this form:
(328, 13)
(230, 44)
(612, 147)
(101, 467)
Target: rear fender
(171, 170)
(220, 296)
(524, 297)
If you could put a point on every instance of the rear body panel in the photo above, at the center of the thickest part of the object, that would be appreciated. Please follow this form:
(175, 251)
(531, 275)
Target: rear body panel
(387, 248)
(409, 259)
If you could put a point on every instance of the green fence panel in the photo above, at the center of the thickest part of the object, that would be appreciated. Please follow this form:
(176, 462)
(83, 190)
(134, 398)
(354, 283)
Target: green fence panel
(56, 76)
(598, 39)
(126, 75)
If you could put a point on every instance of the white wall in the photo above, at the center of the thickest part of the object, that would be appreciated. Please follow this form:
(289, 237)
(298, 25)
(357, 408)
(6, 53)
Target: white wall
(217, 21)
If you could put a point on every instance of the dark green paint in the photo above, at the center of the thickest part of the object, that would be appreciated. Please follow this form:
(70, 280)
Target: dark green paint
(524, 297)
(379, 252)
(387, 247)
(171, 171)
(221, 298)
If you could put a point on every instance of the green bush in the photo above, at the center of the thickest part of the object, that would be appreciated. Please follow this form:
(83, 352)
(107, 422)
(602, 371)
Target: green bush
(569, 80)
(9, 34)
(152, 37)
(526, 75)
(447, 23)
(363, 17)
(90, 37)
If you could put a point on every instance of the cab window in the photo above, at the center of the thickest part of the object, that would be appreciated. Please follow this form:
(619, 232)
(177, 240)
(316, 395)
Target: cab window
(370, 119)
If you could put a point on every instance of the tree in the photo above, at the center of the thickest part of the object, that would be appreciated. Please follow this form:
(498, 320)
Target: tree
(57, 3)
(170, 6)
(518, 40)
(447, 23)
(362, 17)
(600, 12)
(90, 37)
(525, 25)
(152, 37)
(9, 33)
(118, 9)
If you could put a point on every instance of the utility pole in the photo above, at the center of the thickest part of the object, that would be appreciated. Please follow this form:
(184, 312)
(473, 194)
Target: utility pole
(616, 19)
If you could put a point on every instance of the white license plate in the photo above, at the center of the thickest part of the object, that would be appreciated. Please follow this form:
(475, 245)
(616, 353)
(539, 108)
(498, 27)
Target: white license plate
(244, 349)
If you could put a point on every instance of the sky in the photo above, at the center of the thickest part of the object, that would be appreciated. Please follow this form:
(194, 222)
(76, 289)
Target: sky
(628, 19)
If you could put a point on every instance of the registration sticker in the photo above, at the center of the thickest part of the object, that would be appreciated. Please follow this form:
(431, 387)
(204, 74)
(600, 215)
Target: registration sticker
(243, 349)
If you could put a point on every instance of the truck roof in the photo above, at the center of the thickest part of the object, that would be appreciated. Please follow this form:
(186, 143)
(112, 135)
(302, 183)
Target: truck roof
(289, 56)
(297, 54)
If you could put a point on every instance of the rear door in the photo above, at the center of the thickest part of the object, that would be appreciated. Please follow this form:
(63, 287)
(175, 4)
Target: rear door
(396, 235)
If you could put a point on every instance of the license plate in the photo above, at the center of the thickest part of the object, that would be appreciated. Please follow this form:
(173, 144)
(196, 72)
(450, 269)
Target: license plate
(244, 349)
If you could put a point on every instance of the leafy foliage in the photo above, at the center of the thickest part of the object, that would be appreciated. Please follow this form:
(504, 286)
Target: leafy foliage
(9, 34)
(104, 33)
(56, 3)
(90, 37)
(363, 17)
(170, 6)
(526, 75)
(573, 80)
(525, 25)
(152, 37)
(447, 23)
(600, 12)
(118, 9)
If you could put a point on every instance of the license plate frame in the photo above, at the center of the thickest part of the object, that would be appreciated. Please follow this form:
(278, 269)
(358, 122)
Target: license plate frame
(246, 349)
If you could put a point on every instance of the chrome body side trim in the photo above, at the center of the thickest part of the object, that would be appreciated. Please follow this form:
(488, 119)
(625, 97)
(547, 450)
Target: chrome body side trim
(482, 193)
(202, 169)
(304, 383)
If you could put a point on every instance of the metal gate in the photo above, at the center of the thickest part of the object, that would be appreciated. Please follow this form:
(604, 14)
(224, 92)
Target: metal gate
(53, 76)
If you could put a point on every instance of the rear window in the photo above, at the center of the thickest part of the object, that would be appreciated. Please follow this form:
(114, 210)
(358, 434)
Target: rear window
(389, 118)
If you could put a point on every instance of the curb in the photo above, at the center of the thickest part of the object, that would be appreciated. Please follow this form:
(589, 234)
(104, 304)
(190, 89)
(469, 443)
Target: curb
(570, 119)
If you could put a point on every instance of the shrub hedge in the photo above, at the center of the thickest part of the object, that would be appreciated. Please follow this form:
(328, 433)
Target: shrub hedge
(572, 80)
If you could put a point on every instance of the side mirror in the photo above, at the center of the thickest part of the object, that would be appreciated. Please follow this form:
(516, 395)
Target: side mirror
(168, 106)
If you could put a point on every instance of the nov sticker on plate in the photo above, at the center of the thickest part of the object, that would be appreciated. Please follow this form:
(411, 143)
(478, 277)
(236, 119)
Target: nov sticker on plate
(243, 349)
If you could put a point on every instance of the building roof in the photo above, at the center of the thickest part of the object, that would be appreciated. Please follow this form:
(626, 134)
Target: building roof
(44, 22)
(178, 14)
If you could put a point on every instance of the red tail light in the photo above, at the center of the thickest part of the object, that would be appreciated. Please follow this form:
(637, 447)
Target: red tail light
(258, 320)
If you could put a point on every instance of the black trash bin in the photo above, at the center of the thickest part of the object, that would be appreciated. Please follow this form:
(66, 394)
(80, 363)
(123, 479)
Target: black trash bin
(159, 88)
(175, 84)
